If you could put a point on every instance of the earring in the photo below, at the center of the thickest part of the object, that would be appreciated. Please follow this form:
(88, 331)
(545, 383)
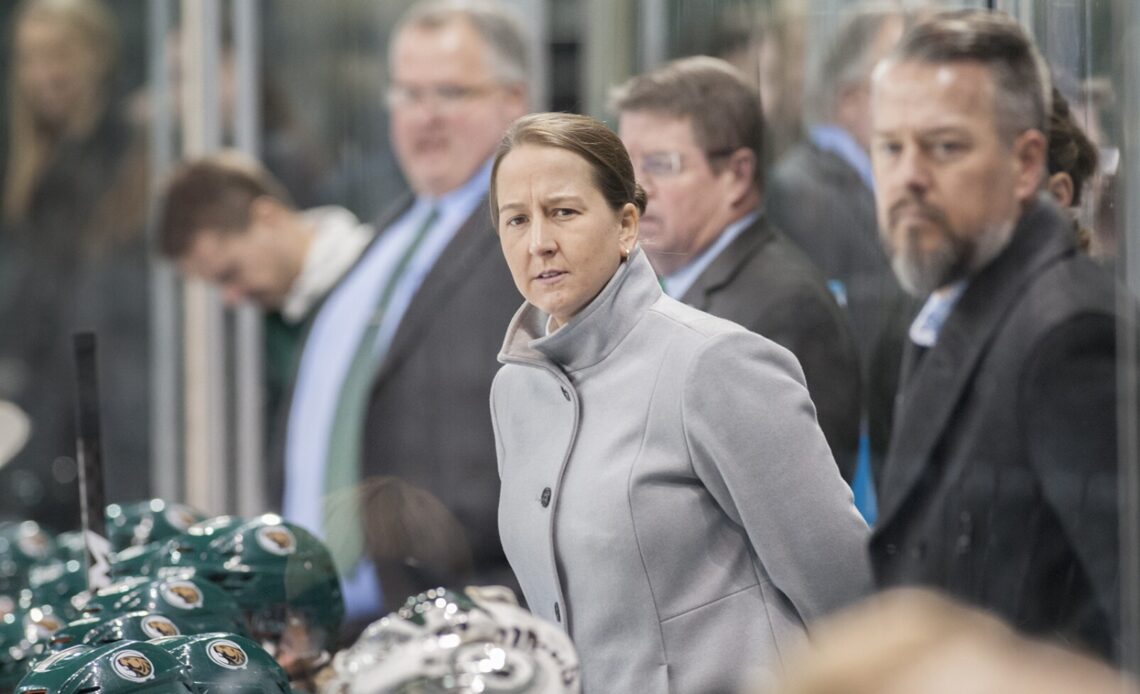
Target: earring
(625, 253)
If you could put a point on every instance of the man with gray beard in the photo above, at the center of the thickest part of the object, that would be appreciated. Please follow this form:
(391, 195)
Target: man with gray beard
(1000, 481)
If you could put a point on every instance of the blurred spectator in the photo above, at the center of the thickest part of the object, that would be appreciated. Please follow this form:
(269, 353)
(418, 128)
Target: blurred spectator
(909, 641)
(393, 381)
(1072, 163)
(767, 46)
(693, 128)
(821, 194)
(73, 257)
(226, 220)
(1001, 482)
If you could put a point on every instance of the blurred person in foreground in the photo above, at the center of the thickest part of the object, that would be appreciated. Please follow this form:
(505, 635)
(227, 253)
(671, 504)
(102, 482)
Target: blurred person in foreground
(910, 641)
(1000, 486)
(72, 257)
(388, 450)
(667, 495)
(693, 130)
(822, 195)
(228, 221)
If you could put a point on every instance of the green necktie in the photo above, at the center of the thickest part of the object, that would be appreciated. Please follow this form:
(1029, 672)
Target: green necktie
(342, 517)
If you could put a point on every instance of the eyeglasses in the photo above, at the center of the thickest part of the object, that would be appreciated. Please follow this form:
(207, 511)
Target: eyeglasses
(666, 164)
(440, 95)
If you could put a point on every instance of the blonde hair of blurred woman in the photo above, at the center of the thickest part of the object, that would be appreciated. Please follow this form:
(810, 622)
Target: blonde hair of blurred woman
(911, 641)
(50, 38)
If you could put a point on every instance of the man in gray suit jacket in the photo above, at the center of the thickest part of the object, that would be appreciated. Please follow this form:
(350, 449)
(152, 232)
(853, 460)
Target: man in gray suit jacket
(693, 130)
(1000, 485)
(389, 413)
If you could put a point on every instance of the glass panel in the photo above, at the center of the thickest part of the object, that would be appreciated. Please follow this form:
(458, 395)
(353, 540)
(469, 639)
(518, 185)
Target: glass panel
(75, 176)
(235, 396)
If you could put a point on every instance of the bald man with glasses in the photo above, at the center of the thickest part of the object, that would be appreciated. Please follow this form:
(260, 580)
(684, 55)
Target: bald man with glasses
(693, 129)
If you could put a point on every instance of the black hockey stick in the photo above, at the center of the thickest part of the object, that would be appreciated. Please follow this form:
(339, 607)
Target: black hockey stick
(90, 448)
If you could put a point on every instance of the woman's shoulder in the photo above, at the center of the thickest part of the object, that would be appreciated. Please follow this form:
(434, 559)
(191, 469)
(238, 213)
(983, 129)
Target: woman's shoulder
(674, 316)
(706, 341)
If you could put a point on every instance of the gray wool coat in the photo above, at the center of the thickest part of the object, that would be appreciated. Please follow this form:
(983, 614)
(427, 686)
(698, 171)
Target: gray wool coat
(667, 495)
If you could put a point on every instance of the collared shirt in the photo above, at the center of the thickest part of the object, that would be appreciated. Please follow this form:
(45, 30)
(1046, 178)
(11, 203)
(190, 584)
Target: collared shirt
(332, 342)
(678, 282)
(834, 139)
(929, 321)
(338, 240)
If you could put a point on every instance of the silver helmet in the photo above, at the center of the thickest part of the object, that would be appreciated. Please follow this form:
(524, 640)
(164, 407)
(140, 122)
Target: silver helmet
(445, 642)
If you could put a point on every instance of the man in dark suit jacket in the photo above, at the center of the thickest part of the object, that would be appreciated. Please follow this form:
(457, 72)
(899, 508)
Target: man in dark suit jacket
(1000, 485)
(693, 130)
(821, 194)
(390, 414)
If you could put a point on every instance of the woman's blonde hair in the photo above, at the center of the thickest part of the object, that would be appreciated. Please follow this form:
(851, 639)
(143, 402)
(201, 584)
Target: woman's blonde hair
(30, 145)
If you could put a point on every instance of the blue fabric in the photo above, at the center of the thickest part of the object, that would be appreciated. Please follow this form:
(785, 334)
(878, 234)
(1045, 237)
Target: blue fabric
(834, 139)
(929, 321)
(676, 284)
(330, 347)
(863, 486)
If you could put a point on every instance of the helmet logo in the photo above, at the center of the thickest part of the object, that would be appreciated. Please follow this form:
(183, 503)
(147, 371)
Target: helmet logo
(182, 594)
(180, 517)
(157, 626)
(34, 544)
(227, 654)
(277, 539)
(133, 666)
(45, 625)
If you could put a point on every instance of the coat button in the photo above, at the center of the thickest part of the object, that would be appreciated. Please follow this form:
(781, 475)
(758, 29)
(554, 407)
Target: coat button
(545, 497)
(565, 393)
(557, 613)
(892, 549)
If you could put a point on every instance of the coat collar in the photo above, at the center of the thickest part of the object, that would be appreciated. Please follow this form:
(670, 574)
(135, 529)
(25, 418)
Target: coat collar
(724, 268)
(932, 393)
(595, 331)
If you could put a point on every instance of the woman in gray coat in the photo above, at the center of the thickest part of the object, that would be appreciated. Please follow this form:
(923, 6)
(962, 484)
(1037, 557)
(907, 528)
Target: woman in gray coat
(667, 495)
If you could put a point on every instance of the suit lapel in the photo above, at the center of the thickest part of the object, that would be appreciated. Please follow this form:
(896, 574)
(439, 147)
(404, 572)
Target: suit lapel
(459, 259)
(929, 397)
(721, 271)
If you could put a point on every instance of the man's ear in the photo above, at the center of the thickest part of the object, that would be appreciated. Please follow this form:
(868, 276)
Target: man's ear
(741, 166)
(266, 210)
(517, 100)
(1061, 188)
(1029, 152)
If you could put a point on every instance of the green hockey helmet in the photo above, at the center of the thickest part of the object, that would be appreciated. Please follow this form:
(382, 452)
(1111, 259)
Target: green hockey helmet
(223, 663)
(197, 604)
(143, 522)
(55, 582)
(140, 625)
(22, 545)
(444, 642)
(25, 634)
(135, 560)
(124, 666)
(277, 571)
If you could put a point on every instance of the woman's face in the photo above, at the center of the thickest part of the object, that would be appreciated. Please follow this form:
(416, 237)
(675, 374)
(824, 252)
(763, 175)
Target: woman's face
(561, 240)
(57, 71)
